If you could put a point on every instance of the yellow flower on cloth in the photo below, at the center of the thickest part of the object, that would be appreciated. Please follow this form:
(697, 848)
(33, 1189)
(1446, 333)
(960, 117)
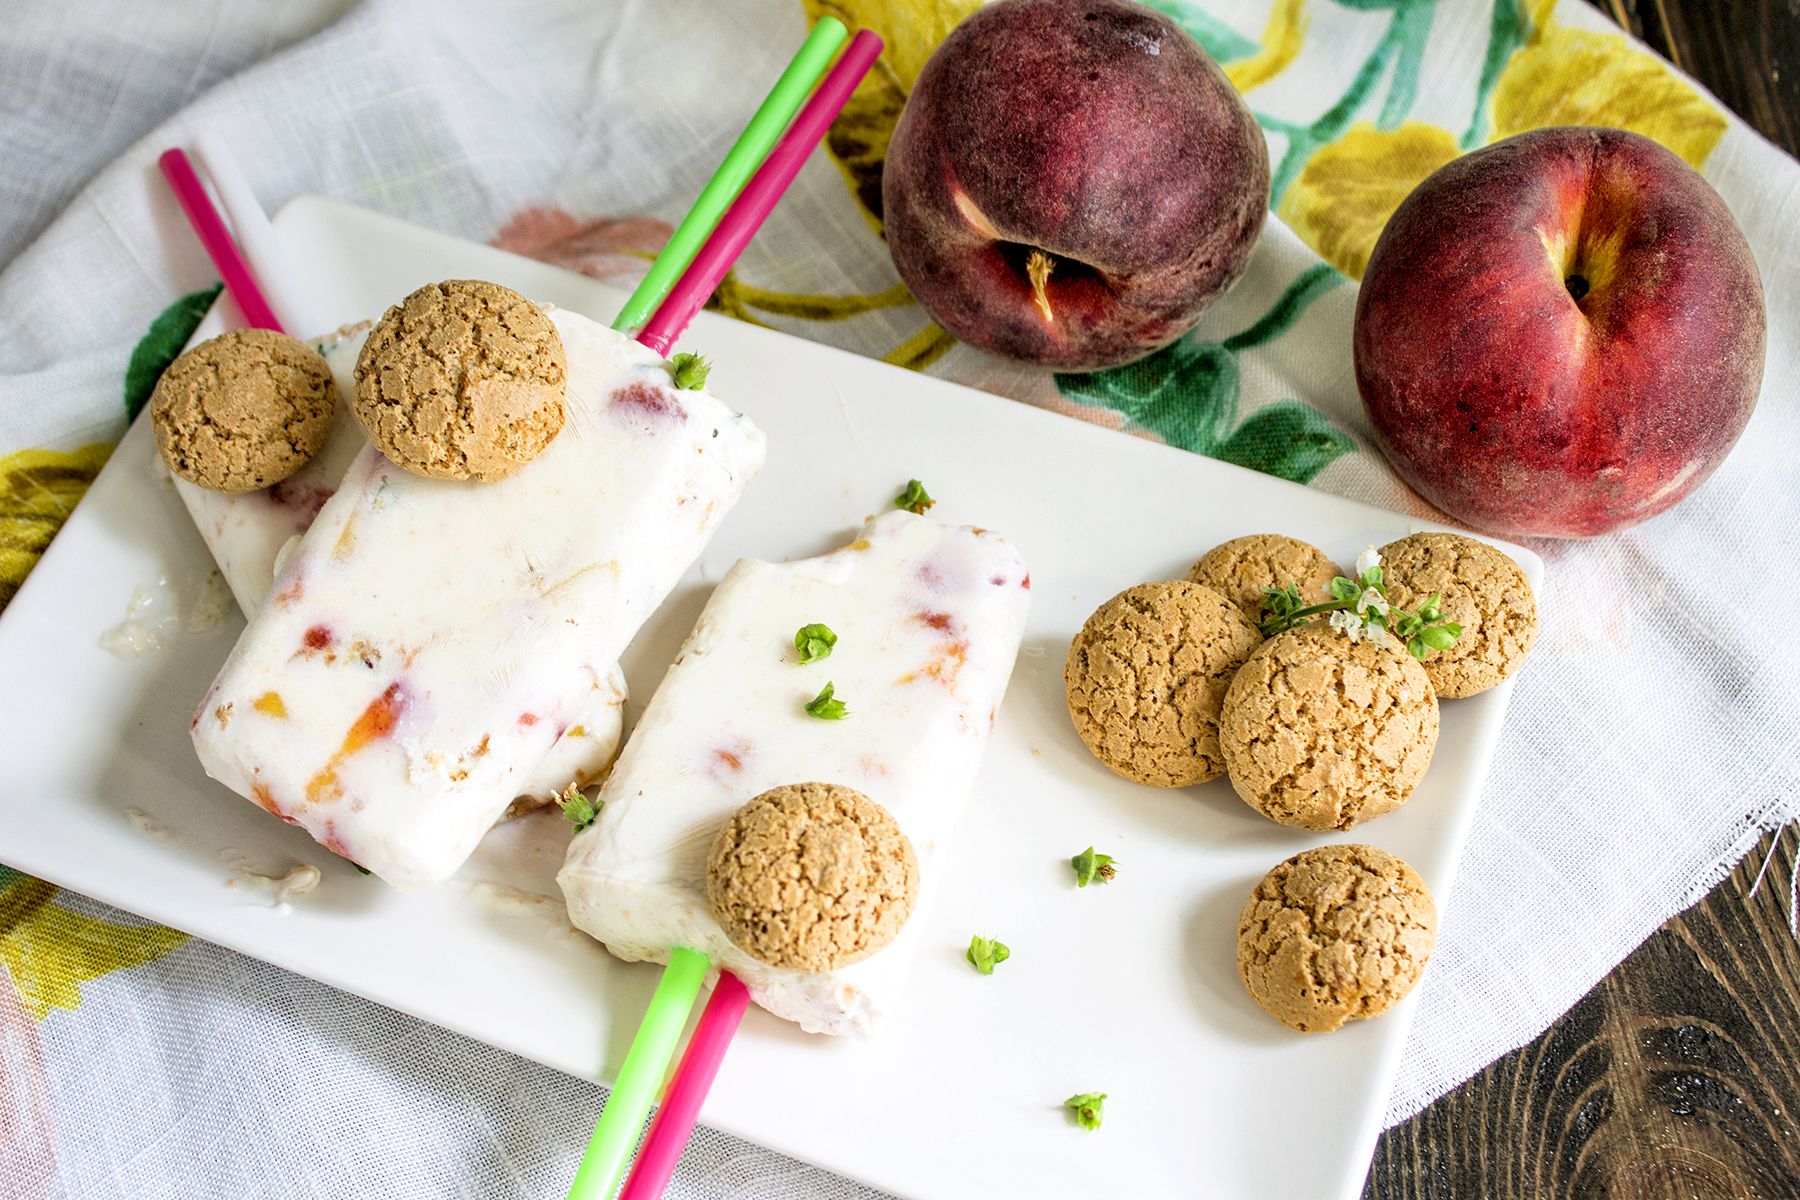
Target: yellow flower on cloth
(1348, 190)
(1573, 77)
(1282, 39)
(38, 491)
(50, 951)
(1539, 73)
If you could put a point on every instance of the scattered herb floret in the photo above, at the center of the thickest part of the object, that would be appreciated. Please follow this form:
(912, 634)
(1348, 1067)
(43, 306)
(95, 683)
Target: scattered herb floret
(1089, 1109)
(578, 808)
(987, 953)
(690, 371)
(1090, 866)
(915, 499)
(814, 642)
(826, 706)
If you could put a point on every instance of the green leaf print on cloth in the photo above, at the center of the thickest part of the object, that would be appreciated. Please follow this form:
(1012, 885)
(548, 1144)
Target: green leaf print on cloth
(1187, 394)
(1397, 58)
(161, 345)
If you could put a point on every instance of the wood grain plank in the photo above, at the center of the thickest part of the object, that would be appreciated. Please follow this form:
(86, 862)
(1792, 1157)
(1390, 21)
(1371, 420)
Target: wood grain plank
(1746, 52)
(1675, 1079)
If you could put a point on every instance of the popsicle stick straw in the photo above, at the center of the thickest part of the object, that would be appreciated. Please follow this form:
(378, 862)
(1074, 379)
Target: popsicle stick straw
(603, 1165)
(747, 212)
(240, 281)
(675, 1116)
(262, 247)
(752, 146)
(653, 1047)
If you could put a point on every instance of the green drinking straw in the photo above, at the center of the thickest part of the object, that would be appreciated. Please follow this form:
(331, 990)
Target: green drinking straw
(602, 1168)
(745, 157)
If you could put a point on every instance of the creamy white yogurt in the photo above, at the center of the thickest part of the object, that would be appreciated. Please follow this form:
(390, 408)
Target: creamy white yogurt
(251, 535)
(429, 641)
(928, 618)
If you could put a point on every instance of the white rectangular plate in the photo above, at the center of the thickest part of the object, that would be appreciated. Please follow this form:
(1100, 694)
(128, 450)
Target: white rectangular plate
(1130, 989)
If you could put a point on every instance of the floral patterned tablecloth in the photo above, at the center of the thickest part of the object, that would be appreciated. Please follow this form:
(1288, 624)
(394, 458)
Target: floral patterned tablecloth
(1650, 743)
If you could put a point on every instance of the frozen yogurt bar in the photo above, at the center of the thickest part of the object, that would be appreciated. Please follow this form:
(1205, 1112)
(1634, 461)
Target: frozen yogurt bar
(248, 532)
(427, 642)
(927, 619)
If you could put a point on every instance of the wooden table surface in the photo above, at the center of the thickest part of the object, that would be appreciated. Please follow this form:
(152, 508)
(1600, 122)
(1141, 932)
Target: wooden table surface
(1678, 1077)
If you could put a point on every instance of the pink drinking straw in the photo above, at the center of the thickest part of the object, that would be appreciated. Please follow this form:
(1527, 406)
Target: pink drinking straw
(746, 214)
(209, 227)
(674, 1120)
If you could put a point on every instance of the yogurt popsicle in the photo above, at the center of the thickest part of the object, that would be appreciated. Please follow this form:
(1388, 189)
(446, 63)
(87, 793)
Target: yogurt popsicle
(928, 619)
(246, 533)
(428, 641)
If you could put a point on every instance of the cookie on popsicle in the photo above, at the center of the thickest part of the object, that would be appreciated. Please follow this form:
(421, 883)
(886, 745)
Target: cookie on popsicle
(463, 379)
(812, 876)
(875, 671)
(243, 411)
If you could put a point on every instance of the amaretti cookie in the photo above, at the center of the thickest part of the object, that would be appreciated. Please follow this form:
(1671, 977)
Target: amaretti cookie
(812, 876)
(1335, 934)
(462, 380)
(1321, 732)
(1146, 677)
(1240, 569)
(1483, 590)
(243, 411)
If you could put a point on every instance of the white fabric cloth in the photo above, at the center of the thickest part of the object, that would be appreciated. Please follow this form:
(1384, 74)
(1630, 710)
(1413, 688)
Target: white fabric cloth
(1652, 739)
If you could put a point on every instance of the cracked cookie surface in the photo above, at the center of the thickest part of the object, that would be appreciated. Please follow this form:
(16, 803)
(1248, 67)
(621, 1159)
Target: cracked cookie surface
(812, 876)
(1335, 934)
(1240, 569)
(463, 379)
(1146, 677)
(1484, 591)
(243, 411)
(1324, 733)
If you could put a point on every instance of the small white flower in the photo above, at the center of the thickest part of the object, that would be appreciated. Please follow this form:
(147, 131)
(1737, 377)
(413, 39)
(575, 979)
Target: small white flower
(1347, 621)
(1378, 635)
(1367, 560)
(1368, 599)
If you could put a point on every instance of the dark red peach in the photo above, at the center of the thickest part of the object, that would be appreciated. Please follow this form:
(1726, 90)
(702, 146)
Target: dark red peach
(1072, 182)
(1561, 334)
